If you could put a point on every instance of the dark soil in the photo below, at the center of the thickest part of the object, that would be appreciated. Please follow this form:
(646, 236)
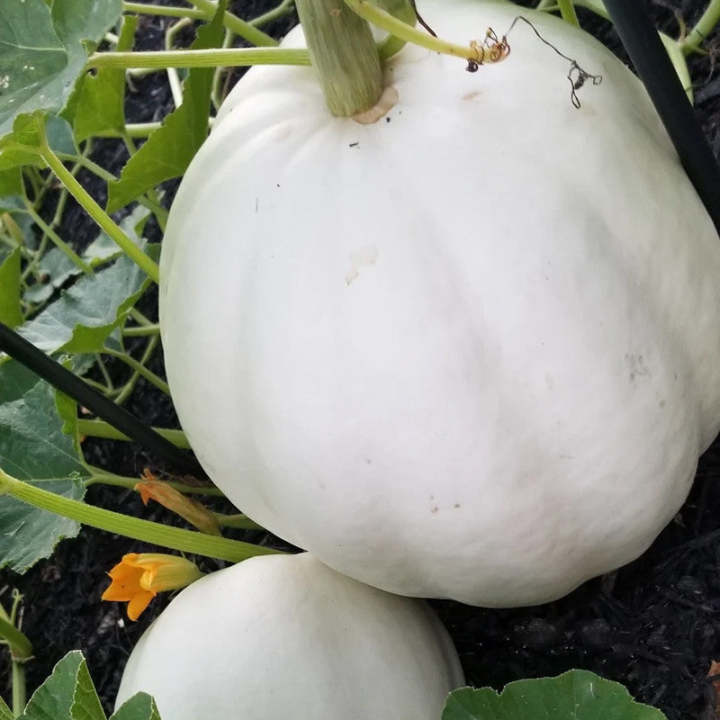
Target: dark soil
(653, 625)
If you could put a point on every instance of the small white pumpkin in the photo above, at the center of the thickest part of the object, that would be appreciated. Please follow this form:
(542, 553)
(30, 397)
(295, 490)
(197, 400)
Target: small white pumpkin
(287, 637)
(471, 350)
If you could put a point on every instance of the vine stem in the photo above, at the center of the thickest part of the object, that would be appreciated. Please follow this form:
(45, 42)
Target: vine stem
(704, 26)
(139, 368)
(236, 57)
(101, 429)
(282, 9)
(383, 19)
(141, 330)
(147, 264)
(145, 530)
(567, 10)
(239, 522)
(19, 691)
(163, 10)
(59, 243)
(20, 652)
(20, 646)
(244, 29)
(100, 477)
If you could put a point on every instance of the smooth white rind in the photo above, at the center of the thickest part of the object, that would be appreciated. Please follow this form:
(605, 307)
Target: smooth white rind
(470, 352)
(286, 637)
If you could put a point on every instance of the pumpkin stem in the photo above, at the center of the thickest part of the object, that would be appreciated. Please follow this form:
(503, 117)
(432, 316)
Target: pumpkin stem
(344, 54)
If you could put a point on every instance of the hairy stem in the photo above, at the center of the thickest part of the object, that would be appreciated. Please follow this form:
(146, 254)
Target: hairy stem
(166, 11)
(235, 57)
(383, 19)
(59, 243)
(99, 215)
(101, 477)
(704, 26)
(344, 55)
(244, 29)
(141, 330)
(101, 429)
(135, 528)
(138, 367)
(567, 10)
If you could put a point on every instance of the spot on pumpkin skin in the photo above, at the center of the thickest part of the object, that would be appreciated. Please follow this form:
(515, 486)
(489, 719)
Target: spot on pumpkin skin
(636, 366)
(471, 95)
(364, 257)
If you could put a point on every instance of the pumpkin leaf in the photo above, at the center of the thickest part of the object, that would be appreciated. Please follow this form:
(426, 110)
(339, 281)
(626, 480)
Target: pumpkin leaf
(10, 186)
(34, 448)
(15, 380)
(87, 313)
(59, 135)
(100, 102)
(5, 712)
(574, 695)
(55, 268)
(10, 308)
(169, 150)
(44, 51)
(68, 694)
(138, 707)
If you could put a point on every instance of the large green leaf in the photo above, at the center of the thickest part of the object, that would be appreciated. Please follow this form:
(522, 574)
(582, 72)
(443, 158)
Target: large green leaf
(10, 308)
(10, 186)
(89, 311)
(574, 695)
(34, 448)
(5, 711)
(55, 268)
(138, 707)
(100, 102)
(169, 150)
(42, 51)
(68, 694)
(15, 381)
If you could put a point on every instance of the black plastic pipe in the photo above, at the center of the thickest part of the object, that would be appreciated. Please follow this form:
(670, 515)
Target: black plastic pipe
(53, 372)
(643, 45)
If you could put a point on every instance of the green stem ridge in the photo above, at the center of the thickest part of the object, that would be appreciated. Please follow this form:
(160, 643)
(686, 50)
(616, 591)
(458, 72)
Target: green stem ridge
(20, 646)
(476, 51)
(235, 57)
(19, 692)
(128, 483)
(567, 10)
(244, 29)
(59, 243)
(151, 532)
(344, 55)
(282, 9)
(167, 11)
(139, 368)
(105, 222)
(141, 330)
(704, 26)
(101, 429)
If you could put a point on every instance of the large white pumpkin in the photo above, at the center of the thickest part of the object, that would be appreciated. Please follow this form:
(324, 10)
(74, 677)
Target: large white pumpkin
(469, 351)
(287, 637)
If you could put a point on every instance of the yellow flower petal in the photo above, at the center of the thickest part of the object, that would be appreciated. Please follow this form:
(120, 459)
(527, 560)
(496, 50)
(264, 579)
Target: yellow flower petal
(138, 577)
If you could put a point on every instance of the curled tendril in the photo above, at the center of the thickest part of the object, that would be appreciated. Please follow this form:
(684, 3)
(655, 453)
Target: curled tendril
(577, 76)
